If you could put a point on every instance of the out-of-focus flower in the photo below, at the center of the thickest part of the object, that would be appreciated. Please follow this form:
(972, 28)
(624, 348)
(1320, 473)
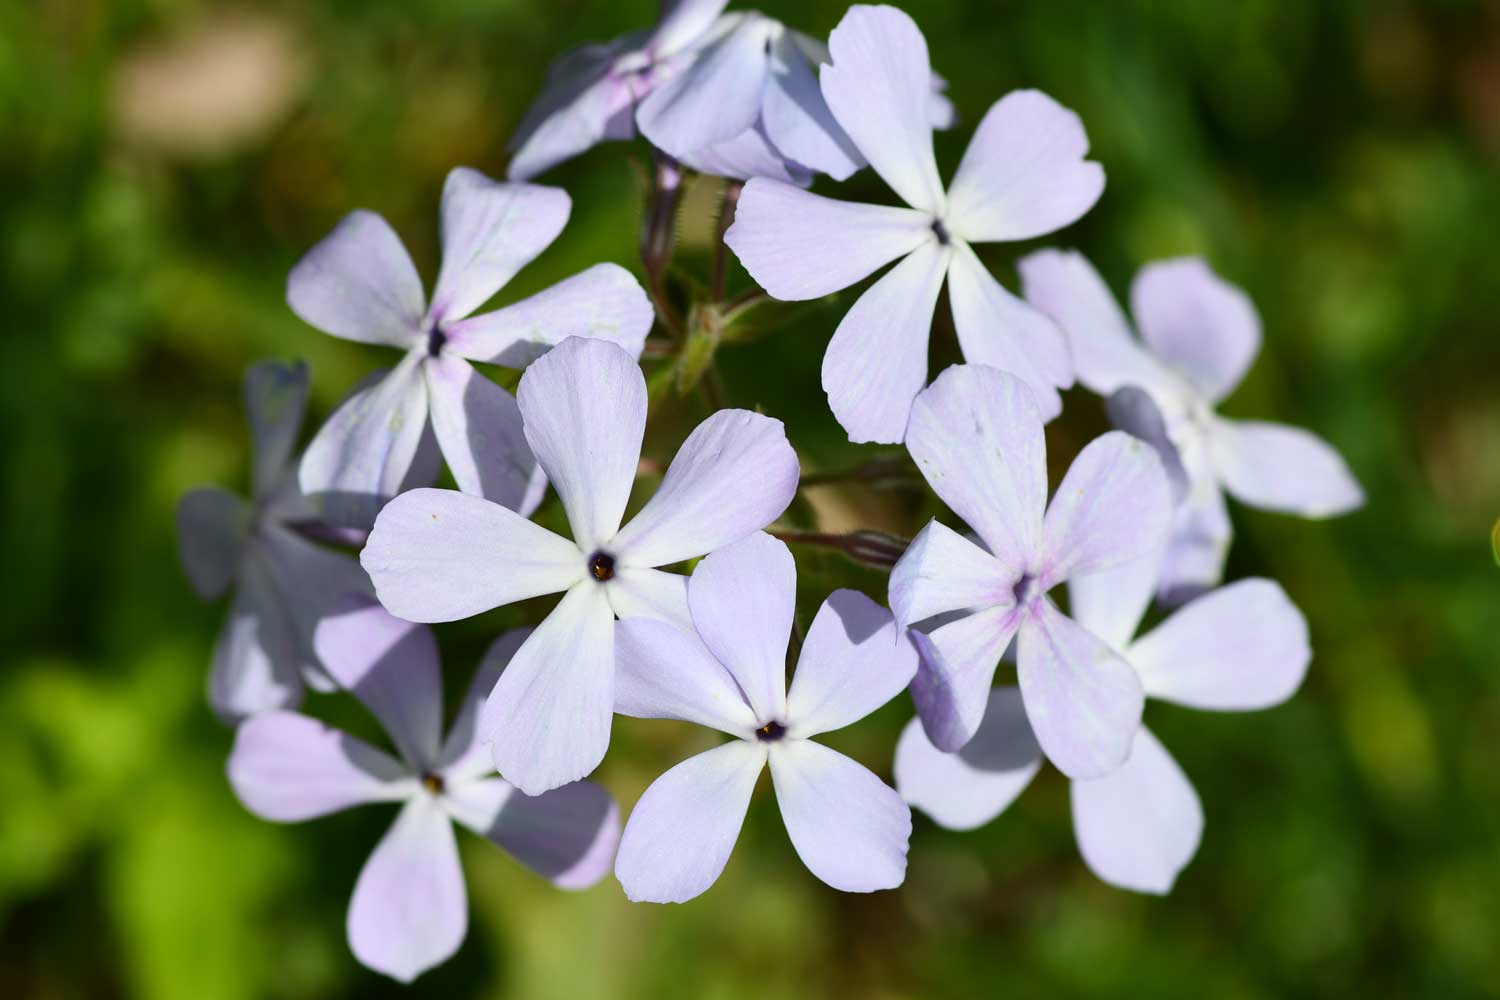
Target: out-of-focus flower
(728, 670)
(977, 437)
(1239, 648)
(409, 911)
(1023, 175)
(214, 89)
(437, 555)
(1199, 336)
(283, 584)
(360, 284)
(592, 92)
(750, 106)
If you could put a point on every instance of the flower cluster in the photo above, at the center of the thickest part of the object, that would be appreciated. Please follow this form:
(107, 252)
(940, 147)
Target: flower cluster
(687, 609)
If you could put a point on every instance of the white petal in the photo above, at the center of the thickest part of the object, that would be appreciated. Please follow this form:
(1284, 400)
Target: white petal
(257, 658)
(584, 408)
(211, 528)
(603, 303)
(1283, 468)
(1239, 648)
(853, 661)
(359, 283)
(1202, 326)
(478, 425)
(942, 571)
(1023, 174)
(439, 555)
(275, 400)
(1140, 825)
(1136, 412)
(966, 789)
(997, 329)
(491, 229)
(1199, 544)
(733, 475)
(797, 119)
(958, 661)
(743, 597)
(286, 767)
(877, 361)
(1084, 701)
(650, 593)
(717, 97)
(311, 580)
(410, 911)
(798, 245)
(582, 103)
(392, 666)
(548, 718)
(682, 23)
(1111, 603)
(663, 672)
(1113, 505)
(977, 437)
(682, 831)
(1106, 356)
(465, 755)
(850, 828)
(879, 88)
(748, 155)
(360, 458)
(568, 835)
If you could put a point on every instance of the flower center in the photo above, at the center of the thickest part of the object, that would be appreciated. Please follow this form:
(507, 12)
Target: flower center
(435, 340)
(602, 566)
(433, 782)
(770, 732)
(941, 232)
(1026, 590)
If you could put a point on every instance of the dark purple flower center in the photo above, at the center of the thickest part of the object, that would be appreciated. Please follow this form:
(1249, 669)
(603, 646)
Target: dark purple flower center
(1025, 589)
(602, 566)
(941, 232)
(770, 732)
(436, 338)
(433, 782)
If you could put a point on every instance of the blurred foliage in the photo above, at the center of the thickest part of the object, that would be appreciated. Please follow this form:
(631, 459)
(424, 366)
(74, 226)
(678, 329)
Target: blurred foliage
(164, 162)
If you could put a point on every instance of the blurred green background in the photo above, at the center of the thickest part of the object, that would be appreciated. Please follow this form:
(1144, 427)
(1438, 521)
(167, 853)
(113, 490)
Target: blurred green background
(164, 162)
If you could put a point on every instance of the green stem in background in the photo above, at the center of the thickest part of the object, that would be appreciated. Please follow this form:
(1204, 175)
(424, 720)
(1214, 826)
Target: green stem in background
(731, 199)
(874, 549)
(713, 389)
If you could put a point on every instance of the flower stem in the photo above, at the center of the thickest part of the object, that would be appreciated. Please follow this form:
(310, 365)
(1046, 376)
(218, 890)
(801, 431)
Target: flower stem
(659, 237)
(315, 530)
(874, 549)
(879, 472)
(731, 198)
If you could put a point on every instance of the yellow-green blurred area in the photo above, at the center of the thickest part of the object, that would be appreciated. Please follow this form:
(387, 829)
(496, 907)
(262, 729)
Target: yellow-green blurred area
(164, 162)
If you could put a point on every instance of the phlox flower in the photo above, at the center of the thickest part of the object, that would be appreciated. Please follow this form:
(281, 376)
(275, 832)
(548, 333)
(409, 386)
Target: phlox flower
(728, 670)
(283, 584)
(592, 92)
(976, 436)
(409, 911)
(1238, 648)
(437, 555)
(1023, 175)
(750, 106)
(360, 284)
(1198, 337)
